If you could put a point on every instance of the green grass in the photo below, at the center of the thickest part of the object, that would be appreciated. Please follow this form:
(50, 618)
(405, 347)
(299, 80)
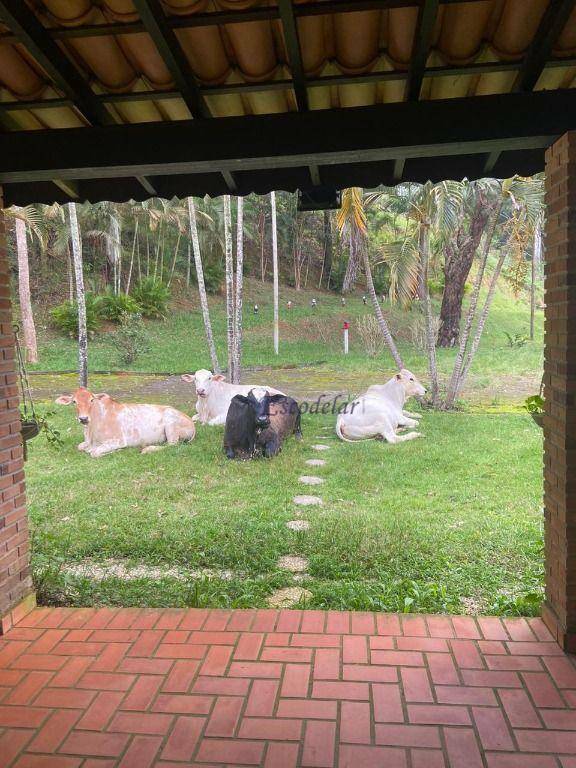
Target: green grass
(451, 522)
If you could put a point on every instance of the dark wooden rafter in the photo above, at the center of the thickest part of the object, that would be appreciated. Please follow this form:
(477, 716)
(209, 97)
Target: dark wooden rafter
(170, 50)
(553, 22)
(427, 15)
(290, 29)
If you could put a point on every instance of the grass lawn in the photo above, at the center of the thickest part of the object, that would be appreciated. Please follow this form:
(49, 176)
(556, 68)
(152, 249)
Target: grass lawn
(451, 522)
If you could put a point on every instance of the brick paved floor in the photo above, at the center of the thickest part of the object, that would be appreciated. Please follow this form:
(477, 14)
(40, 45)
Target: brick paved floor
(105, 687)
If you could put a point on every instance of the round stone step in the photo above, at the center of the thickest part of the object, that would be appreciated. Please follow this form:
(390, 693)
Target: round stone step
(307, 501)
(321, 447)
(298, 525)
(293, 563)
(316, 462)
(287, 597)
(310, 480)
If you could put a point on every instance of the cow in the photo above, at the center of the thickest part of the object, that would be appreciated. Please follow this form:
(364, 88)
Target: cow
(110, 425)
(379, 412)
(258, 423)
(215, 395)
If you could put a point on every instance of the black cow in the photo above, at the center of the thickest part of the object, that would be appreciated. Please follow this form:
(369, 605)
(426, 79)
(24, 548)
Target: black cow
(258, 423)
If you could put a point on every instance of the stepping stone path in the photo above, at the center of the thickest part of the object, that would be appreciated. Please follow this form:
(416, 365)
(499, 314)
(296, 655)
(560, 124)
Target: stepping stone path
(315, 462)
(298, 525)
(321, 447)
(287, 597)
(307, 501)
(293, 563)
(310, 480)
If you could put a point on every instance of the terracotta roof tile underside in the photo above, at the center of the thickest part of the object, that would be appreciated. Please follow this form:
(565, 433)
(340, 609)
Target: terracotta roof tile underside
(348, 59)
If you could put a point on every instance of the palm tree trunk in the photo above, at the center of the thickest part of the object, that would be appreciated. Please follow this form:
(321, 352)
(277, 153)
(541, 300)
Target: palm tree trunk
(275, 272)
(129, 280)
(201, 285)
(378, 311)
(430, 336)
(229, 286)
(115, 251)
(80, 295)
(26, 312)
(454, 385)
(239, 287)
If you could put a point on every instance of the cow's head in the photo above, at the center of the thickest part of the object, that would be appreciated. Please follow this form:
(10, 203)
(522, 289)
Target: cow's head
(82, 398)
(260, 399)
(412, 387)
(202, 380)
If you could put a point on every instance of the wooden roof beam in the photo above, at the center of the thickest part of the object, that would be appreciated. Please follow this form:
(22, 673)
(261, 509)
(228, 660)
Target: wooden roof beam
(427, 16)
(292, 41)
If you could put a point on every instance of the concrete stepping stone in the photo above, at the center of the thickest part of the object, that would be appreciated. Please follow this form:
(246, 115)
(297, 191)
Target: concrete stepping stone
(310, 480)
(307, 501)
(287, 597)
(316, 462)
(321, 447)
(298, 525)
(293, 563)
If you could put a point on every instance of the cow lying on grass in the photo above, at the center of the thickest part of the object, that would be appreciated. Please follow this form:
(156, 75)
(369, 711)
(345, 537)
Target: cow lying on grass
(110, 426)
(258, 423)
(379, 412)
(215, 395)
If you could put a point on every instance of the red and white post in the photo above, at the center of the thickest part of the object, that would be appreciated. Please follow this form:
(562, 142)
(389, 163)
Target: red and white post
(346, 328)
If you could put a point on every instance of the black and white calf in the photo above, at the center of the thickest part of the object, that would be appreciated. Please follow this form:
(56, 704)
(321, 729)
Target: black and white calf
(258, 423)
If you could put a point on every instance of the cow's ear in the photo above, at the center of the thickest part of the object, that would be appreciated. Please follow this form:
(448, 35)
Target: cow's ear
(188, 377)
(399, 376)
(101, 395)
(64, 400)
(218, 377)
(275, 398)
(242, 399)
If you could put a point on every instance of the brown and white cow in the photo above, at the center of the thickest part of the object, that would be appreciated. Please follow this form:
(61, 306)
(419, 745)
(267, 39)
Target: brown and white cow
(110, 425)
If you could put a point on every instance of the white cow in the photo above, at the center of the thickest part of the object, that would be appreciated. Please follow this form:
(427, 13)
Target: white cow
(379, 412)
(110, 425)
(215, 395)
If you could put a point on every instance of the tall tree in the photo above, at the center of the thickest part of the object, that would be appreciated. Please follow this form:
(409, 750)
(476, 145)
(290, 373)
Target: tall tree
(275, 271)
(229, 261)
(354, 233)
(28, 326)
(239, 290)
(201, 285)
(76, 242)
(327, 249)
(478, 205)
(352, 216)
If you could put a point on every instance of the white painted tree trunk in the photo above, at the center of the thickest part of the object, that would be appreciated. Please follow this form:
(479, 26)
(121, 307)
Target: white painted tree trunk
(28, 327)
(134, 242)
(201, 285)
(80, 295)
(229, 260)
(116, 251)
(275, 272)
(239, 291)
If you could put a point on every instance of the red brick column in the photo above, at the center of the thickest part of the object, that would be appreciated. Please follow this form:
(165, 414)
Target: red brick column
(559, 610)
(16, 595)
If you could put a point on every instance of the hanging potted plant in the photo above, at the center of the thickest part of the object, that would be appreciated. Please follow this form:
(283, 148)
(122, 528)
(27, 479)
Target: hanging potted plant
(535, 406)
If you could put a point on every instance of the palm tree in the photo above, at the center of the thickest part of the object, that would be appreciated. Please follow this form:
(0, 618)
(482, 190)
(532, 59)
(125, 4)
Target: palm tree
(239, 287)
(275, 271)
(22, 218)
(80, 295)
(229, 287)
(353, 229)
(352, 215)
(201, 285)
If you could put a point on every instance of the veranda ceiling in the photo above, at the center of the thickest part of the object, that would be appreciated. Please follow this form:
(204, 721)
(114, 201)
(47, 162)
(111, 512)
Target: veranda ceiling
(79, 64)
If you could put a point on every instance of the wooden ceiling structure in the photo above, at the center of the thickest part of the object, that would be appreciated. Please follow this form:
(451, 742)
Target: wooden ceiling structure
(126, 99)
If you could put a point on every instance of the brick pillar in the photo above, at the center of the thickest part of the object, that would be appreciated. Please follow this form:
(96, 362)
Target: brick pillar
(559, 611)
(16, 594)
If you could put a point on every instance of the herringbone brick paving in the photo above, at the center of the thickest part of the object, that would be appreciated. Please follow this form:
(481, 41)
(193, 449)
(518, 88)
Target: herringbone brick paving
(97, 688)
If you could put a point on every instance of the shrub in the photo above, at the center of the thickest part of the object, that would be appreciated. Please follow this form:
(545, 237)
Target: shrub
(418, 331)
(152, 297)
(113, 306)
(131, 338)
(213, 277)
(64, 317)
